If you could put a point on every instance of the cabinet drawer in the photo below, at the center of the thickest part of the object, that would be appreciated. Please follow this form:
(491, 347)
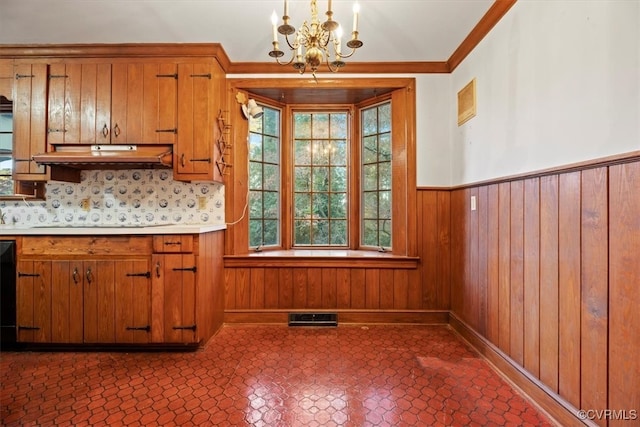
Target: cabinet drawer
(86, 245)
(173, 243)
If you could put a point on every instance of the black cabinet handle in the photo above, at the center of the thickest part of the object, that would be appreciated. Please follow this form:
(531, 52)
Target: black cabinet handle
(208, 160)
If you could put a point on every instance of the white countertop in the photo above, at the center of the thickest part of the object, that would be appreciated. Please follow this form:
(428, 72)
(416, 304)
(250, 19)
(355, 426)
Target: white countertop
(59, 230)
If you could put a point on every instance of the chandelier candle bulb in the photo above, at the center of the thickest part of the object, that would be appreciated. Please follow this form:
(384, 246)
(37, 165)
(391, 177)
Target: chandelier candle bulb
(356, 9)
(329, 6)
(274, 21)
(286, 7)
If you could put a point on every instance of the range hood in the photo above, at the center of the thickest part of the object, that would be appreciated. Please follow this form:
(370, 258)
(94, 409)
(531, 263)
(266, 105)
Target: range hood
(66, 161)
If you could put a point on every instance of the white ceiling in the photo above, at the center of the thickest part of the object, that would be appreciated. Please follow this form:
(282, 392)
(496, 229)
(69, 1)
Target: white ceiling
(395, 30)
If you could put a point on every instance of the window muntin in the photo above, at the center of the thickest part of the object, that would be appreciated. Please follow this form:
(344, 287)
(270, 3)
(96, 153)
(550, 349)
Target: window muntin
(320, 179)
(264, 179)
(376, 176)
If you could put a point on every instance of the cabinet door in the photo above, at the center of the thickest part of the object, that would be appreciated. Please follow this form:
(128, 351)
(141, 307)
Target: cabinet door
(33, 301)
(99, 301)
(132, 301)
(67, 283)
(174, 298)
(29, 120)
(64, 106)
(143, 106)
(198, 96)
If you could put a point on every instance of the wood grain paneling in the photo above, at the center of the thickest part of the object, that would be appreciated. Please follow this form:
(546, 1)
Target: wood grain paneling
(569, 281)
(531, 292)
(493, 270)
(504, 267)
(549, 281)
(594, 283)
(557, 254)
(516, 272)
(624, 289)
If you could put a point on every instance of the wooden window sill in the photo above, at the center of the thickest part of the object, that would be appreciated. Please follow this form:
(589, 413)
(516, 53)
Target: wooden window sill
(321, 258)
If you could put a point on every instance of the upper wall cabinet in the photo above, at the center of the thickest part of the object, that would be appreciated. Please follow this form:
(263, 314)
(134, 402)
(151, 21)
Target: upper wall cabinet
(196, 156)
(112, 103)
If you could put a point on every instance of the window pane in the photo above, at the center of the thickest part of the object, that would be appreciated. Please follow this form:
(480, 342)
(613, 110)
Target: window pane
(302, 232)
(271, 177)
(303, 152)
(255, 204)
(255, 176)
(338, 207)
(339, 179)
(302, 125)
(370, 173)
(320, 232)
(302, 205)
(320, 205)
(271, 237)
(339, 152)
(271, 152)
(320, 179)
(370, 149)
(271, 122)
(376, 176)
(255, 233)
(338, 232)
(320, 126)
(271, 208)
(303, 179)
(255, 147)
(339, 127)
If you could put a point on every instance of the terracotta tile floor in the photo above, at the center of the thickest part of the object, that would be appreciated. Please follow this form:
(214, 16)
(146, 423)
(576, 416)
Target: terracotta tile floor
(269, 376)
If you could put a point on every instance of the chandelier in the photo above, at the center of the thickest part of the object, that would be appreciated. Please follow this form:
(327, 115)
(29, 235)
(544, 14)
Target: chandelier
(314, 42)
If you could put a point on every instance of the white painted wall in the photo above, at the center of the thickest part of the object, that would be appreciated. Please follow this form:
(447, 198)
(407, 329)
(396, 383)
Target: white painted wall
(558, 82)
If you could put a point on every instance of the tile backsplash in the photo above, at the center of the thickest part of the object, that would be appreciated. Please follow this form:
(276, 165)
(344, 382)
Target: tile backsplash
(122, 197)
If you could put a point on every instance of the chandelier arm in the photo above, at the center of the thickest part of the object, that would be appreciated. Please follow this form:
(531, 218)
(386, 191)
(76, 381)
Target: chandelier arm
(286, 37)
(348, 55)
(289, 62)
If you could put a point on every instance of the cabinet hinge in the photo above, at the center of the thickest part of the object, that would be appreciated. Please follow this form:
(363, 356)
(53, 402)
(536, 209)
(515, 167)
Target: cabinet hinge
(24, 76)
(28, 274)
(28, 328)
(139, 328)
(208, 75)
(58, 76)
(190, 327)
(50, 130)
(174, 130)
(186, 269)
(173, 76)
(146, 274)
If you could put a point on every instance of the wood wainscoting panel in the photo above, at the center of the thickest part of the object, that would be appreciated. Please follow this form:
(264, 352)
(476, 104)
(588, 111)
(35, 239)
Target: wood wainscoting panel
(569, 286)
(624, 289)
(532, 276)
(594, 289)
(504, 266)
(516, 272)
(549, 281)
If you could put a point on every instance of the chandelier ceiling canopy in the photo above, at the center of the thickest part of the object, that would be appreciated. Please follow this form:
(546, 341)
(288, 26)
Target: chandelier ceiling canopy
(314, 42)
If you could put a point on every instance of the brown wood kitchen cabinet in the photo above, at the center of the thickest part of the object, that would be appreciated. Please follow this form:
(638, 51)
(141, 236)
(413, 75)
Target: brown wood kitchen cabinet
(83, 290)
(196, 155)
(112, 103)
(188, 295)
(134, 290)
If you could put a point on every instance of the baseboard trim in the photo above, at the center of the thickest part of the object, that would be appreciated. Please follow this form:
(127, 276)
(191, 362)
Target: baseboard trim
(563, 412)
(395, 317)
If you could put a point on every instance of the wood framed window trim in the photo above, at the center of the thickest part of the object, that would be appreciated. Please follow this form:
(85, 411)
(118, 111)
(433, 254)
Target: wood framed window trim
(401, 91)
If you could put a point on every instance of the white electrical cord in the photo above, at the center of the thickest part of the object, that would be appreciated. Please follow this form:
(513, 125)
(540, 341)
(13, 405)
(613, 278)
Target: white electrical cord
(246, 202)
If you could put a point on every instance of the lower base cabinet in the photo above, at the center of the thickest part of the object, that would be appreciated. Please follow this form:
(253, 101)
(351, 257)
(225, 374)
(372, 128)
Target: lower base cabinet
(65, 296)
